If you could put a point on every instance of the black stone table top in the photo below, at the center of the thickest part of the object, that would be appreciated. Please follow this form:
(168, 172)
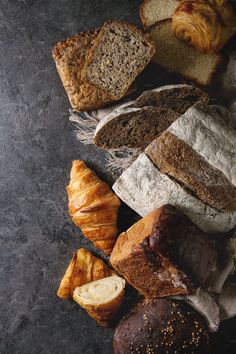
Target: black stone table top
(37, 145)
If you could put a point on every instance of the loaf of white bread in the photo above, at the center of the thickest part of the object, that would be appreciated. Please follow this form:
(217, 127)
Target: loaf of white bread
(203, 129)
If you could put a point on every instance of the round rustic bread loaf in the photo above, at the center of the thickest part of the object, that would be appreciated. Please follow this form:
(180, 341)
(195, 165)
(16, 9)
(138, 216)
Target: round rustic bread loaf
(161, 326)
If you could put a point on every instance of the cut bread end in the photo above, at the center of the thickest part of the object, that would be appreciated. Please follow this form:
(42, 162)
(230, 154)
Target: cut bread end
(152, 11)
(177, 56)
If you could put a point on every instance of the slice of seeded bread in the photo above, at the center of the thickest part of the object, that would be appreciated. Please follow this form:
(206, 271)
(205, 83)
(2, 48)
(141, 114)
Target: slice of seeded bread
(119, 53)
(132, 124)
(133, 127)
(69, 56)
(152, 11)
(177, 56)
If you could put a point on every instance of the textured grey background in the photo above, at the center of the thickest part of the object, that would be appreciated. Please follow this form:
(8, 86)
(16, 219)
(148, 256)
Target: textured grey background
(37, 146)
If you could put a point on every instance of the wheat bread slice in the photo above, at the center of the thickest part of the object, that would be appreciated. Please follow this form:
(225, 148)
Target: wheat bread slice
(144, 188)
(69, 56)
(119, 53)
(177, 56)
(152, 11)
(133, 127)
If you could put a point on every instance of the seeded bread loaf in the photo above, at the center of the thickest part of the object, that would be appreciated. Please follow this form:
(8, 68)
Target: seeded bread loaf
(143, 188)
(159, 255)
(119, 53)
(174, 157)
(152, 11)
(161, 326)
(69, 56)
(177, 56)
(139, 122)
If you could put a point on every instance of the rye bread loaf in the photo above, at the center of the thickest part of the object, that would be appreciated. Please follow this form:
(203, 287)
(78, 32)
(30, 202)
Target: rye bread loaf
(178, 98)
(177, 56)
(119, 53)
(159, 255)
(133, 127)
(135, 123)
(152, 11)
(143, 188)
(69, 56)
(161, 326)
(177, 159)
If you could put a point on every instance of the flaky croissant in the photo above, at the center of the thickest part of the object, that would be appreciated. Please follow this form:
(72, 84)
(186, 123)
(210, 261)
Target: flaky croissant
(83, 268)
(101, 298)
(204, 24)
(93, 206)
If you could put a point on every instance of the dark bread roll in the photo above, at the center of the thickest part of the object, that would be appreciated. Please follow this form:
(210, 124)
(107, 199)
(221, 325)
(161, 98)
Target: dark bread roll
(161, 326)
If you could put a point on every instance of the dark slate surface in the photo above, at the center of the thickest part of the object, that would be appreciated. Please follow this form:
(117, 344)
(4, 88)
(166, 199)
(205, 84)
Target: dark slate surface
(37, 146)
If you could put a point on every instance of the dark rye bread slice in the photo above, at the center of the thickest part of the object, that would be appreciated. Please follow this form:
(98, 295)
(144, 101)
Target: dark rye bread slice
(133, 127)
(161, 326)
(177, 159)
(179, 98)
(159, 255)
(119, 53)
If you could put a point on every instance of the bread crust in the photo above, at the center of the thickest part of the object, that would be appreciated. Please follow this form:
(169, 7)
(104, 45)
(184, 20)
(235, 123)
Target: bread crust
(69, 56)
(176, 158)
(218, 66)
(97, 41)
(143, 18)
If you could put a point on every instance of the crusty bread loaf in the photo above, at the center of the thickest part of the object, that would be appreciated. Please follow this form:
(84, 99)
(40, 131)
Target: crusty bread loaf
(69, 56)
(138, 122)
(152, 11)
(161, 326)
(119, 53)
(177, 56)
(143, 188)
(177, 159)
(159, 255)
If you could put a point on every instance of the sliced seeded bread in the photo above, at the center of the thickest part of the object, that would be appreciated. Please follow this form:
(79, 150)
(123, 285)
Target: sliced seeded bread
(152, 11)
(177, 56)
(69, 56)
(119, 53)
(134, 123)
(143, 188)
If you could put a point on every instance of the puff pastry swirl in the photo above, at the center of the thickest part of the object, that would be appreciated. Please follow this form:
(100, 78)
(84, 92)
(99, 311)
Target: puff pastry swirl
(93, 206)
(102, 298)
(204, 24)
(83, 268)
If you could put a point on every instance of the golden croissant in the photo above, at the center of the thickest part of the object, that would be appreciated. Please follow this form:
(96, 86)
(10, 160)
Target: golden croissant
(83, 268)
(93, 206)
(204, 24)
(102, 298)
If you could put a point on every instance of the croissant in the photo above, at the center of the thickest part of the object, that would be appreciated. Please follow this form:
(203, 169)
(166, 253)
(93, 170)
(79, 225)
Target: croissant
(102, 298)
(93, 206)
(83, 268)
(204, 24)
